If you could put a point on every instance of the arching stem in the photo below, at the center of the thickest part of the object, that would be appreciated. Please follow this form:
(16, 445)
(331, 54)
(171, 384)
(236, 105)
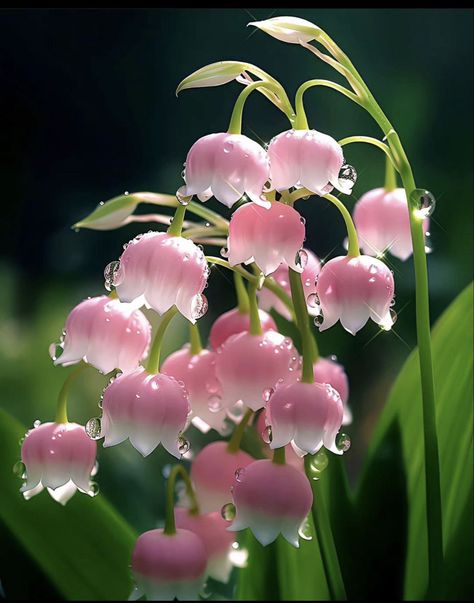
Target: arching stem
(234, 443)
(153, 365)
(195, 339)
(242, 295)
(170, 525)
(61, 407)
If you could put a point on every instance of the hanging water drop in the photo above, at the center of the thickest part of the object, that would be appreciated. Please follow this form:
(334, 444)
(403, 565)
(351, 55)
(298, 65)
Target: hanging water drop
(267, 434)
(228, 512)
(184, 445)
(224, 252)
(94, 428)
(318, 320)
(183, 199)
(19, 469)
(343, 442)
(305, 531)
(424, 203)
(199, 306)
(239, 474)
(347, 177)
(93, 489)
(319, 463)
(113, 275)
(267, 394)
(55, 350)
(313, 300)
(301, 259)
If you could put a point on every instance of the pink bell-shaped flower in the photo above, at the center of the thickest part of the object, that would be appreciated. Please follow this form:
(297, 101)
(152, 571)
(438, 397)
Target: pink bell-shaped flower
(305, 414)
(309, 159)
(147, 409)
(267, 237)
(354, 289)
(226, 166)
(328, 370)
(160, 271)
(198, 372)
(271, 499)
(383, 224)
(168, 566)
(312, 266)
(105, 333)
(212, 530)
(264, 430)
(234, 322)
(212, 472)
(249, 366)
(59, 457)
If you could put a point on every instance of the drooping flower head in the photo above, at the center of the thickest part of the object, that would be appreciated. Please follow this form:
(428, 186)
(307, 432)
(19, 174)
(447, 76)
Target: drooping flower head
(226, 166)
(212, 530)
(198, 373)
(105, 333)
(267, 237)
(328, 370)
(271, 499)
(383, 224)
(168, 566)
(160, 271)
(292, 458)
(212, 472)
(309, 159)
(60, 457)
(234, 322)
(354, 289)
(312, 266)
(147, 409)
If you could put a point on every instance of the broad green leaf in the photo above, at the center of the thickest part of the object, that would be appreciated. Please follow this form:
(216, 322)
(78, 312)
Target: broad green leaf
(258, 580)
(84, 548)
(392, 491)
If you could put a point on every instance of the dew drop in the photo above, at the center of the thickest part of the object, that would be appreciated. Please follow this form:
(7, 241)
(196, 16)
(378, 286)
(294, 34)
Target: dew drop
(304, 531)
(37, 423)
(228, 512)
(19, 469)
(318, 320)
(239, 474)
(199, 306)
(302, 220)
(94, 428)
(313, 300)
(183, 199)
(207, 224)
(214, 404)
(294, 363)
(267, 434)
(228, 146)
(347, 176)
(93, 489)
(301, 259)
(343, 442)
(113, 275)
(373, 269)
(424, 202)
(333, 357)
(55, 350)
(224, 252)
(184, 445)
(319, 463)
(267, 394)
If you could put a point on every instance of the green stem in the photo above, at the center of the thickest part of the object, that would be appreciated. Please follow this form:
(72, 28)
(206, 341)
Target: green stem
(326, 540)
(301, 122)
(302, 322)
(170, 525)
(390, 176)
(279, 456)
(61, 407)
(242, 295)
(195, 339)
(153, 365)
(271, 284)
(353, 239)
(235, 124)
(176, 225)
(368, 140)
(234, 443)
(255, 326)
(220, 262)
(195, 208)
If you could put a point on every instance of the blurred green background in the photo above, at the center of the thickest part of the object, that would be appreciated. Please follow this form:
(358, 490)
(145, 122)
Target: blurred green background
(89, 111)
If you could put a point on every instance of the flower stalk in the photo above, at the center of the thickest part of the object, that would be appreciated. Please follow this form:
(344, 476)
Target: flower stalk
(170, 524)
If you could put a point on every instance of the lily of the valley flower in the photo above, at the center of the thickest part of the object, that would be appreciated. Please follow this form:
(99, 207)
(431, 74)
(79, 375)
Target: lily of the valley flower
(233, 322)
(147, 409)
(328, 370)
(226, 166)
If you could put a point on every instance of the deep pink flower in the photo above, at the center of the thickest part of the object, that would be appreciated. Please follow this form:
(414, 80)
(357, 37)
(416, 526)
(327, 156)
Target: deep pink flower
(307, 158)
(168, 566)
(383, 224)
(212, 530)
(105, 333)
(249, 365)
(267, 237)
(198, 372)
(212, 472)
(226, 166)
(60, 457)
(147, 409)
(306, 414)
(271, 499)
(328, 370)
(234, 322)
(268, 300)
(160, 271)
(354, 289)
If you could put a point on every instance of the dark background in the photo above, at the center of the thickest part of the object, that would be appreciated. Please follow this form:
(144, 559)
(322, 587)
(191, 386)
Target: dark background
(88, 110)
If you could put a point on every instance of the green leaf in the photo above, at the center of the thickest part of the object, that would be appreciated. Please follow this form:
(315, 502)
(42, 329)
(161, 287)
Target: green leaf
(215, 74)
(392, 491)
(84, 548)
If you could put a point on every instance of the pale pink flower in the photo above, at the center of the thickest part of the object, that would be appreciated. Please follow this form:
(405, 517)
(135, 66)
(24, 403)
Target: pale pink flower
(161, 271)
(147, 409)
(354, 289)
(383, 224)
(59, 457)
(267, 237)
(234, 322)
(168, 566)
(271, 499)
(249, 366)
(106, 334)
(268, 300)
(308, 415)
(198, 373)
(212, 530)
(328, 370)
(226, 166)
(309, 159)
(264, 430)
(212, 472)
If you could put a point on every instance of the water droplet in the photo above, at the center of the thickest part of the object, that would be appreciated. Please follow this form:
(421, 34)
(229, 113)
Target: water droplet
(239, 474)
(94, 428)
(37, 423)
(301, 259)
(214, 404)
(302, 220)
(305, 531)
(393, 302)
(373, 269)
(347, 176)
(19, 469)
(55, 350)
(267, 394)
(183, 174)
(113, 275)
(313, 300)
(319, 463)
(424, 203)
(267, 434)
(207, 224)
(333, 357)
(183, 199)
(228, 512)
(294, 363)
(224, 252)
(93, 489)
(228, 146)
(183, 445)
(318, 320)
(343, 442)
(199, 306)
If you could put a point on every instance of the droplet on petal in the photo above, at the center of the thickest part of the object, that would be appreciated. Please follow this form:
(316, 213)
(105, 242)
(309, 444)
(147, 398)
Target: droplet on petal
(267, 434)
(113, 275)
(94, 428)
(267, 394)
(228, 512)
(183, 445)
(343, 442)
(199, 306)
(305, 531)
(301, 259)
(19, 469)
(313, 300)
(215, 403)
(55, 350)
(347, 176)
(319, 463)
(239, 474)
